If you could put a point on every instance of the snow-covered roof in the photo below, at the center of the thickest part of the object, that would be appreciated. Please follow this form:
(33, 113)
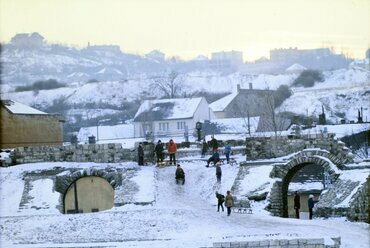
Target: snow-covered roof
(200, 58)
(295, 67)
(222, 103)
(19, 108)
(167, 109)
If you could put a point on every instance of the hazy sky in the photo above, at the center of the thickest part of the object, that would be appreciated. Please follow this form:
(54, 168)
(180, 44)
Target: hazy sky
(188, 28)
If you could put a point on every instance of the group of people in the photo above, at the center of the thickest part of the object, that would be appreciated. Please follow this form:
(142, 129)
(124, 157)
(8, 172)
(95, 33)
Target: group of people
(172, 149)
(159, 152)
(215, 158)
(297, 204)
(228, 200)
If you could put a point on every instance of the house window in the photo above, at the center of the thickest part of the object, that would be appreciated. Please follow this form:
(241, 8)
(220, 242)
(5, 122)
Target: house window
(163, 126)
(181, 125)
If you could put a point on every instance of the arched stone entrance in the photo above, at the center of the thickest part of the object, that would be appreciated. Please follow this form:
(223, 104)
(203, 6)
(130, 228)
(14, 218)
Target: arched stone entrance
(279, 193)
(88, 190)
(88, 194)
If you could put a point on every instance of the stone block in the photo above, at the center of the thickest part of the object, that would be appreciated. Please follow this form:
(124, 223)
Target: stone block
(293, 242)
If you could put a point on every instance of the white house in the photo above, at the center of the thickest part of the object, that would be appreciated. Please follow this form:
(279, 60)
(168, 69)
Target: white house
(171, 117)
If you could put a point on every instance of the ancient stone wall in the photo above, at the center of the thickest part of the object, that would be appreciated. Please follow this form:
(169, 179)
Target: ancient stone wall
(283, 243)
(271, 147)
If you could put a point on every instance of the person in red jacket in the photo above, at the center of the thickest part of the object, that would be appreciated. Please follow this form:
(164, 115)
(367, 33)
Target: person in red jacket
(172, 148)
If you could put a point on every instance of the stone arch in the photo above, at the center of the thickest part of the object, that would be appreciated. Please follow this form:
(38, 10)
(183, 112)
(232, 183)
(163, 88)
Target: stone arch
(279, 193)
(66, 180)
(88, 194)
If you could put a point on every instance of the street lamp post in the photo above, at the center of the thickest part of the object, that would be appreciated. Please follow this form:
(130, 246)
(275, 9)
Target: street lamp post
(198, 126)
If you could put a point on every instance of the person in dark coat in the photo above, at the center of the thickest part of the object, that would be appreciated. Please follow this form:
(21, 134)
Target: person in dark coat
(220, 201)
(218, 173)
(297, 204)
(214, 144)
(159, 151)
(229, 202)
(311, 203)
(204, 148)
(215, 158)
(180, 175)
(140, 154)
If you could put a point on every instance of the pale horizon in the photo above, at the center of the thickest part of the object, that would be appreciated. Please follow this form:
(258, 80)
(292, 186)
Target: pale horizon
(190, 28)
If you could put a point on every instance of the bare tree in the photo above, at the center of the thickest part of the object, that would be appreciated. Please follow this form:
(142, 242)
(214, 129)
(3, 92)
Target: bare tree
(170, 85)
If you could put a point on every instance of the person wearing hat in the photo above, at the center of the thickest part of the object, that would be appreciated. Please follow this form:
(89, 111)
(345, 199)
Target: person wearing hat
(311, 203)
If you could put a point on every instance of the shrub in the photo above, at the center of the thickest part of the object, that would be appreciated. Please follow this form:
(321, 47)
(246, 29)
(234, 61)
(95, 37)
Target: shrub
(308, 78)
(282, 93)
(41, 85)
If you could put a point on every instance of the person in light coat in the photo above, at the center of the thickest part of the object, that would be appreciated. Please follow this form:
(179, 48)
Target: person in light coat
(229, 202)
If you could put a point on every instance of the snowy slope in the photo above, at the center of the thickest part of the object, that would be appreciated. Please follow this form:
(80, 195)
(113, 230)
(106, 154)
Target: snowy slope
(182, 216)
(342, 93)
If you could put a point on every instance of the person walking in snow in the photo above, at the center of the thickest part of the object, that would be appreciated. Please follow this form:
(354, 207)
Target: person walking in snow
(218, 172)
(180, 175)
(220, 201)
(311, 203)
(140, 154)
(227, 151)
(159, 151)
(204, 147)
(172, 148)
(229, 202)
(297, 204)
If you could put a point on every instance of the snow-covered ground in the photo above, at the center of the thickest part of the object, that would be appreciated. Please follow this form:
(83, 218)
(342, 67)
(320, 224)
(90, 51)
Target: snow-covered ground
(181, 216)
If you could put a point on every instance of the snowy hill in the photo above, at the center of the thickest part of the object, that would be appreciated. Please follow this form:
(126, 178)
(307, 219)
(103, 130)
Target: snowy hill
(341, 93)
(24, 66)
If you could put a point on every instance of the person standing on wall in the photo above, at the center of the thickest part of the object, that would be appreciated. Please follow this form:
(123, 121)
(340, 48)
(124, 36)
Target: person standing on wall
(227, 151)
(229, 202)
(159, 151)
(214, 144)
(172, 148)
(140, 154)
(297, 204)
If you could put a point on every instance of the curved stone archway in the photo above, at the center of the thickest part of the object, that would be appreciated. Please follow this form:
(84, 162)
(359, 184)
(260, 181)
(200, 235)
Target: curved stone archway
(279, 192)
(88, 194)
(101, 182)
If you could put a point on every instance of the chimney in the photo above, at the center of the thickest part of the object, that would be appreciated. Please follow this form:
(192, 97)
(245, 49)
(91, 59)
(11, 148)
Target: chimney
(238, 87)
(250, 86)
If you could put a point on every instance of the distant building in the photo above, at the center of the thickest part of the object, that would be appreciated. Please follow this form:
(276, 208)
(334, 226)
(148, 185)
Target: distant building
(170, 117)
(292, 54)
(367, 59)
(156, 55)
(22, 126)
(29, 40)
(317, 59)
(226, 61)
(244, 103)
(104, 48)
